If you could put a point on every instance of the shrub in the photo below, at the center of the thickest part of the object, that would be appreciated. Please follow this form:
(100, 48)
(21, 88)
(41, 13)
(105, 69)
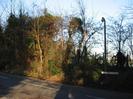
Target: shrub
(53, 69)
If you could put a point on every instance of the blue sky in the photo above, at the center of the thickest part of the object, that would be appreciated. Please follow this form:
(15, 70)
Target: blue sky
(95, 8)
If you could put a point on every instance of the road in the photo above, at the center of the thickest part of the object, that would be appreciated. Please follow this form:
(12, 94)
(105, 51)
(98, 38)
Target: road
(16, 87)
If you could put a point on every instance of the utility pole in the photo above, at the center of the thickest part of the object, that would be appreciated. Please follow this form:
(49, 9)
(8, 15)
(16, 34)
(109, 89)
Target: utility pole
(120, 33)
(105, 47)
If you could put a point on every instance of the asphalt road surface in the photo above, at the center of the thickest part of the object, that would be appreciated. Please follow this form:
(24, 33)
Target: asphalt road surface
(16, 87)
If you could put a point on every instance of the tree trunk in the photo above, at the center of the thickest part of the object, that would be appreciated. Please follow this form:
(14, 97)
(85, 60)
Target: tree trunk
(39, 50)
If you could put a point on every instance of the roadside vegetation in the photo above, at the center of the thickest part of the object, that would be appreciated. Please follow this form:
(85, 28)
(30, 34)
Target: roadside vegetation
(59, 48)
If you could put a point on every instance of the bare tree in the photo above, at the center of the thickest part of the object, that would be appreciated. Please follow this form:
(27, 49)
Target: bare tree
(118, 34)
(87, 28)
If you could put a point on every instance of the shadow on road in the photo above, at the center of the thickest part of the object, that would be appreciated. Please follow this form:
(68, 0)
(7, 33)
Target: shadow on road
(8, 83)
(71, 92)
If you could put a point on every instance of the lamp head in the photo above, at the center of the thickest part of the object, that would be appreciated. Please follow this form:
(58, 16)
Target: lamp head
(103, 19)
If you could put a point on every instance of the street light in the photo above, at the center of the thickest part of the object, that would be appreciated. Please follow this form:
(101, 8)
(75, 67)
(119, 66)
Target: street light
(105, 48)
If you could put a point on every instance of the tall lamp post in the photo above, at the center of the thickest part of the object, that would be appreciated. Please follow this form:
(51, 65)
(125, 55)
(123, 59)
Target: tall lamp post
(105, 47)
